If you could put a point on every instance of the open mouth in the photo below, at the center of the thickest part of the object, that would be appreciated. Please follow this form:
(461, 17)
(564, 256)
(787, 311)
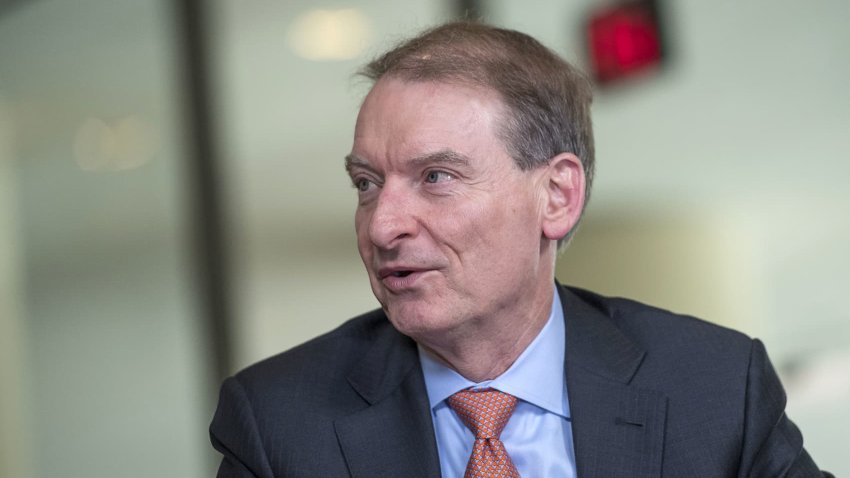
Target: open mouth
(398, 280)
(397, 272)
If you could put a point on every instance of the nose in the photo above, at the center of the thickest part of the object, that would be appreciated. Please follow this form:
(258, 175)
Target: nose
(393, 218)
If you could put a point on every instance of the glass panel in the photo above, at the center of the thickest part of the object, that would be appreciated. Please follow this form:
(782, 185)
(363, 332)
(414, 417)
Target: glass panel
(114, 379)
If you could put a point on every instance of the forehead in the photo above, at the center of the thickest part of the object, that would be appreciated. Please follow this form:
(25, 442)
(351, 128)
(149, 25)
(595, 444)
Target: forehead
(408, 118)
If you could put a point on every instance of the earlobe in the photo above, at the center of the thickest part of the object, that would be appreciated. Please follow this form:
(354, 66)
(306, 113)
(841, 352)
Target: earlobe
(564, 195)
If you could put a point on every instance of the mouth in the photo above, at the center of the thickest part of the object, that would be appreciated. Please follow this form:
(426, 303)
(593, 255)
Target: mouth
(395, 272)
(401, 273)
(398, 279)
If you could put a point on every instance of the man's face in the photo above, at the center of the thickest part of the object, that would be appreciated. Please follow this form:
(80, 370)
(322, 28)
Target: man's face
(448, 227)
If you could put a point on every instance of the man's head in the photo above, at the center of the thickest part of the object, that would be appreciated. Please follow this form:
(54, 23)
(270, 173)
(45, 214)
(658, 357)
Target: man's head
(547, 100)
(464, 193)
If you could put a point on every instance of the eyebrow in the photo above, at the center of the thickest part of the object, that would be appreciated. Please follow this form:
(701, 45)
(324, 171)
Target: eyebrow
(353, 161)
(445, 156)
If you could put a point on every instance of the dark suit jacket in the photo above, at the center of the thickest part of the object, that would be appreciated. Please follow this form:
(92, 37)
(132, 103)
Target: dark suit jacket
(651, 394)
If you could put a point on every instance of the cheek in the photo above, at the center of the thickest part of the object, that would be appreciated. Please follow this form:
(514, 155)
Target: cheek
(361, 231)
(360, 219)
(507, 227)
(475, 232)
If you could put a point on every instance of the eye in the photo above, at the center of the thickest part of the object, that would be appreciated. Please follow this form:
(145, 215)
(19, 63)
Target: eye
(437, 176)
(363, 184)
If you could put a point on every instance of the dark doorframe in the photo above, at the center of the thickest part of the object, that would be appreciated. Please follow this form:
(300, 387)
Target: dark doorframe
(206, 198)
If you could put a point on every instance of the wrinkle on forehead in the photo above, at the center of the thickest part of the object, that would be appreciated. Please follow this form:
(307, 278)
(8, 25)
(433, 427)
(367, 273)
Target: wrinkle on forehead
(419, 118)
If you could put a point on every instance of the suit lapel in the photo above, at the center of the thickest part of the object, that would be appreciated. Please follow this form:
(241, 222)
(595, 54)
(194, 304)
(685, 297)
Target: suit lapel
(393, 436)
(618, 429)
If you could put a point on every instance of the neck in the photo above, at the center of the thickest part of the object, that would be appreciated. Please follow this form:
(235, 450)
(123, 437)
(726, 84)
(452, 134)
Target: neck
(489, 346)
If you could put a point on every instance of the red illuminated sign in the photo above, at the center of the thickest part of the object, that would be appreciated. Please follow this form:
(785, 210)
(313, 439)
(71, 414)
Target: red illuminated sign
(624, 39)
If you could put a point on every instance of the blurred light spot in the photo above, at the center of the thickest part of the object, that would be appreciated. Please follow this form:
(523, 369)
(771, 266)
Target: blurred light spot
(127, 144)
(824, 380)
(322, 35)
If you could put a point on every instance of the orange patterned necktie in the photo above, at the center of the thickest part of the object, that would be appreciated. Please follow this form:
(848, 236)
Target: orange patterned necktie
(486, 412)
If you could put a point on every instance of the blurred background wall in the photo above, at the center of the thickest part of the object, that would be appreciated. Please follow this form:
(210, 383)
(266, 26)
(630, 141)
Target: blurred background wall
(101, 338)
(721, 192)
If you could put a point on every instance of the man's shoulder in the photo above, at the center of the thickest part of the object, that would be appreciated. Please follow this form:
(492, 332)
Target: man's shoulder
(326, 358)
(292, 401)
(663, 333)
(703, 370)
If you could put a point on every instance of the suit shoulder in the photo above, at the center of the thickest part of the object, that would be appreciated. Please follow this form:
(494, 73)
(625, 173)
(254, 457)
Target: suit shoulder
(329, 354)
(655, 328)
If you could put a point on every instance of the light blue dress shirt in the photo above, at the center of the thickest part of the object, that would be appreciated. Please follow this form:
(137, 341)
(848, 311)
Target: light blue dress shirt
(538, 437)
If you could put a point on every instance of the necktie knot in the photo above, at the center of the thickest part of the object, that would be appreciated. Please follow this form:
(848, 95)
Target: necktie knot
(485, 412)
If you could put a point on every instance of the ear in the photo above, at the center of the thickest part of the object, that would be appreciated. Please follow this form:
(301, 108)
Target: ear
(564, 195)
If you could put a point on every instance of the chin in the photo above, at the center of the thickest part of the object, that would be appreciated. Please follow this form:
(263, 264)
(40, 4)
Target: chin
(413, 321)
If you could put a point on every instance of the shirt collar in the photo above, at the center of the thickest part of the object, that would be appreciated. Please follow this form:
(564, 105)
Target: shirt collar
(537, 376)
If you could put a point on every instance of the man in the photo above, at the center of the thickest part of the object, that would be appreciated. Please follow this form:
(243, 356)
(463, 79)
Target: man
(472, 160)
